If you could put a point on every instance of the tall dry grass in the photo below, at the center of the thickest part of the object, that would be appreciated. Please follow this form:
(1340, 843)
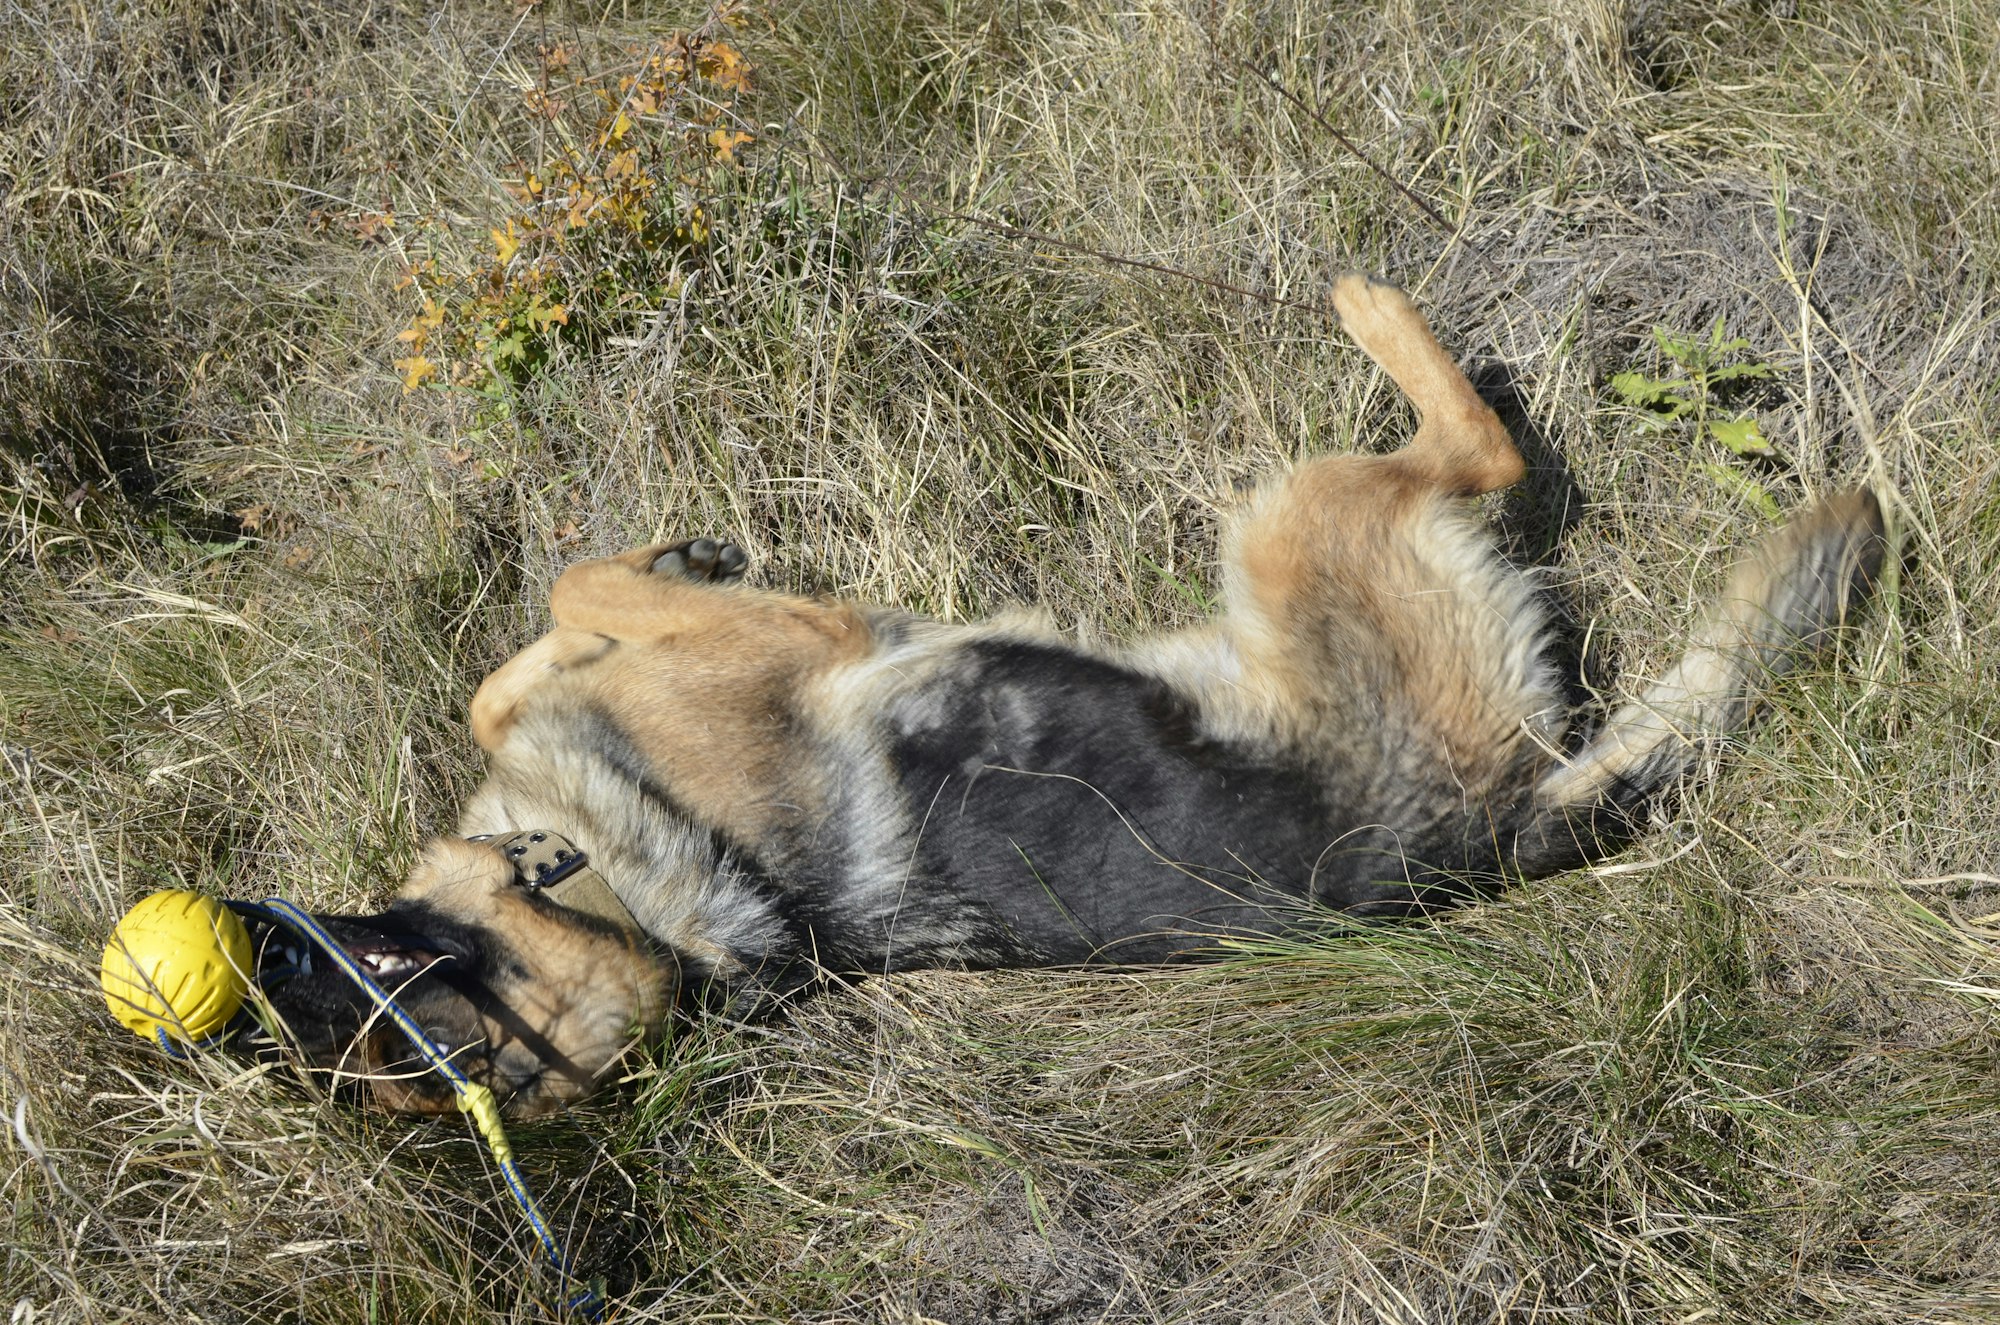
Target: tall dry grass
(1744, 1073)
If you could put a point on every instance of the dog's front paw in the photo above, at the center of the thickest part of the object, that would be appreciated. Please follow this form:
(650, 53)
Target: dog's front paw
(704, 561)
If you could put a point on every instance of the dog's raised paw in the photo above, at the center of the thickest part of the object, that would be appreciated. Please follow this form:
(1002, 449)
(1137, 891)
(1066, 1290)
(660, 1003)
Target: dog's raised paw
(704, 561)
(1372, 309)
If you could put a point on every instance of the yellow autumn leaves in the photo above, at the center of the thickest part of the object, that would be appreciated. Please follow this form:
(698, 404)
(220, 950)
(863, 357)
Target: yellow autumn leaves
(601, 224)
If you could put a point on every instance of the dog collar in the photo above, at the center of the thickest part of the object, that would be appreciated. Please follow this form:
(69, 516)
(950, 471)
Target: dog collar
(549, 864)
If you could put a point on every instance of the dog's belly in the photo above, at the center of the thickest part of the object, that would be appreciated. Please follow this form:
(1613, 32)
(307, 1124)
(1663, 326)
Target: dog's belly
(1075, 806)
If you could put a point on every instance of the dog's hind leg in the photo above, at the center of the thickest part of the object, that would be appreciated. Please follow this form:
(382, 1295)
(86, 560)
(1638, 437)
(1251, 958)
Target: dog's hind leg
(1339, 524)
(1460, 446)
(1369, 621)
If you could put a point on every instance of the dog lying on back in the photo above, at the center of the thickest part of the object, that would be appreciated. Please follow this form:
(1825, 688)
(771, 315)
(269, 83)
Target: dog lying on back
(694, 785)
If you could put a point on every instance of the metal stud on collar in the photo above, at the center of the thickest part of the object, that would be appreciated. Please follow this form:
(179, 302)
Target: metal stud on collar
(540, 858)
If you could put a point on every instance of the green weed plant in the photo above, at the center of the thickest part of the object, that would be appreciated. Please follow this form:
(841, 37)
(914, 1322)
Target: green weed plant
(1704, 372)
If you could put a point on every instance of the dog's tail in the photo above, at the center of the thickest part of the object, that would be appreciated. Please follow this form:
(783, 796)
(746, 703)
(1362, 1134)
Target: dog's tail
(1781, 605)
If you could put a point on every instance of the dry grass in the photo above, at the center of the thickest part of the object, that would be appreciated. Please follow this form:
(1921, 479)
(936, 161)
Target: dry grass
(1747, 1073)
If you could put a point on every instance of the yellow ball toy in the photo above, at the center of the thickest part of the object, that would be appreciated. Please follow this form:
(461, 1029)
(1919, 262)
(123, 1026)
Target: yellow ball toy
(178, 962)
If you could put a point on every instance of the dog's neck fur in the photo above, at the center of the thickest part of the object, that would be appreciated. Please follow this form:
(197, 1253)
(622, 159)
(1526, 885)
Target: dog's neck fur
(683, 888)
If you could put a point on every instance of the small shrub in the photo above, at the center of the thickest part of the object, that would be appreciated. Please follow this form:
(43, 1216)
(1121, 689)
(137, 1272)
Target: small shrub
(606, 217)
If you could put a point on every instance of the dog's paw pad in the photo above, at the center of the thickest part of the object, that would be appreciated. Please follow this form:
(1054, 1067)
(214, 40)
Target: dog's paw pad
(703, 560)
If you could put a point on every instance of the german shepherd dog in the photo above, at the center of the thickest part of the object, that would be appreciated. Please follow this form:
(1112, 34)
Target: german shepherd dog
(770, 788)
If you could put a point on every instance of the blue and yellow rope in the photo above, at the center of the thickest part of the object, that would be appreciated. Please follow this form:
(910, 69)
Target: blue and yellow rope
(474, 1099)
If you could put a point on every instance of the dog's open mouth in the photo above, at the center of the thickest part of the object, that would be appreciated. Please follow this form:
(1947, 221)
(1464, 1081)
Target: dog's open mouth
(283, 954)
(389, 961)
(332, 1021)
(467, 978)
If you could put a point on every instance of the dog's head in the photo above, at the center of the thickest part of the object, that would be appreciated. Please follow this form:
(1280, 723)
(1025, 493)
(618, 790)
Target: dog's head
(530, 998)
